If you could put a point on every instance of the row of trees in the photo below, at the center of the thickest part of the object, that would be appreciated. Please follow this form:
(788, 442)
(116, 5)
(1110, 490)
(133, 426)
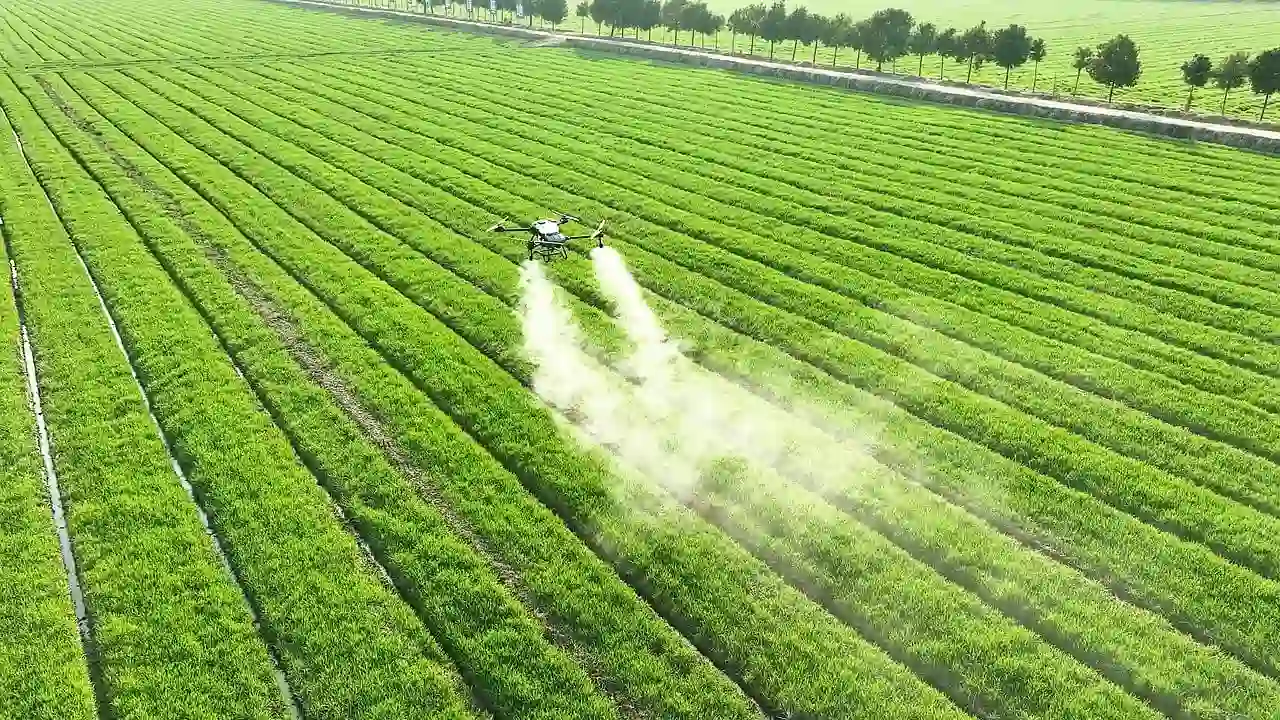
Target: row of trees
(891, 34)
(885, 37)
(647, 15)
(1262, 72)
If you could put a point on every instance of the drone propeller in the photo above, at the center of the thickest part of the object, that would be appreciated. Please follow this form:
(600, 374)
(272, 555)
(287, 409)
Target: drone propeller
(500, 226)
(567, 216)
(599, 232)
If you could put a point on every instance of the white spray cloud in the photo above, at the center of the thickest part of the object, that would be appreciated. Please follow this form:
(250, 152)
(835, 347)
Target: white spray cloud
(660, 413)
(712, 417)
(603, 405)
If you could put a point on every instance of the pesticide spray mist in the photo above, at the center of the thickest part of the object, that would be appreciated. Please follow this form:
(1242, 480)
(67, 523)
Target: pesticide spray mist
(602, 405)
(656, 410)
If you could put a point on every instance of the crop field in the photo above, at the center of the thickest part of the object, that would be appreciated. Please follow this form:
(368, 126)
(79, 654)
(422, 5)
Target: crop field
(1167, 33)
(865, 409)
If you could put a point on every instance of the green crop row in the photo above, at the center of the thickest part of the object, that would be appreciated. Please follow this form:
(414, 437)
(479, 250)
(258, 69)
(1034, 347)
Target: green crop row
(905, 165)
(920, 646)
(620, 637)
(686, 169)
(825, 110)
(749, 622)
(1019, 273)
(391, 220)
(1014, 237)
(1240, 532)
(957, 175)
(43, 672)
(303, 572)
(1241, 425)
(1046, 319)
(92, 41)
(963, 164)
(1084, 526)
(865, 127)
(487, 632)
(152, 583)
(972, 145)
(838, 107)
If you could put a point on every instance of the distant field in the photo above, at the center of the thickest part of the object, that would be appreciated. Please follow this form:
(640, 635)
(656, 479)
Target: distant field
(1000, 397)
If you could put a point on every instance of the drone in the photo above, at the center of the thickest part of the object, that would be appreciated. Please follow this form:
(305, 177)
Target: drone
(546, 240)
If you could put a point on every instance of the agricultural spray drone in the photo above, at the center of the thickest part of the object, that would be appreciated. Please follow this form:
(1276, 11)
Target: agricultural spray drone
(546, 240)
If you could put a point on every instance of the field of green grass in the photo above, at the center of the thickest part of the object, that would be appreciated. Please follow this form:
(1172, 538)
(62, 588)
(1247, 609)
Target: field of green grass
(308, 470)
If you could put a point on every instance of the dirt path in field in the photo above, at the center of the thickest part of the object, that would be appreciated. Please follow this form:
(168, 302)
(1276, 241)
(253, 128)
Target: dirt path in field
(1249, 136)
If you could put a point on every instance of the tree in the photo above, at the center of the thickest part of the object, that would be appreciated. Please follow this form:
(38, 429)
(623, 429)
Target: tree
(1038, 53)
(976, 45)
(601, 10)
(1196, 73)
(752, 20)
(861, 30)
(1116, 64)
(1231, 74)
(924, 41)
(672, 15)
(583, 11)
(1083, 58)
(553, 11)
(947, 45)
(835, 33)
(774, 26)
(700, 20)
(1010, 48)
(650, 18)
(1264, 77)
(796, 27)
(631, 14)
(815, 34)
(715, 24)
(737, 24)
(693, 18)
(887, 35)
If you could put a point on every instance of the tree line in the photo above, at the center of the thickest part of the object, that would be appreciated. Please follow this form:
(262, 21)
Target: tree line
(885, 37)
(1261, 71)
(891, 34)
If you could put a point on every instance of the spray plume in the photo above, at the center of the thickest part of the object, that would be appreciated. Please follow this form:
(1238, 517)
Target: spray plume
(712, 418)
(601, 404)
(674, 422)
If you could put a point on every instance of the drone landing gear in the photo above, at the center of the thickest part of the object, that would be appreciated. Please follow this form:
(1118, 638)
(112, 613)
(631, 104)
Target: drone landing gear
(547, 252)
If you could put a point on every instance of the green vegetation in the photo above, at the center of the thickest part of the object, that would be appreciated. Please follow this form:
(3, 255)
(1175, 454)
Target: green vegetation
(1065, 336)
(43, 673)
(156, 593)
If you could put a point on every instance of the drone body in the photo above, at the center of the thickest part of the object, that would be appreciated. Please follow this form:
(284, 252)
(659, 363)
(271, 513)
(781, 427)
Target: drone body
(546, 239)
